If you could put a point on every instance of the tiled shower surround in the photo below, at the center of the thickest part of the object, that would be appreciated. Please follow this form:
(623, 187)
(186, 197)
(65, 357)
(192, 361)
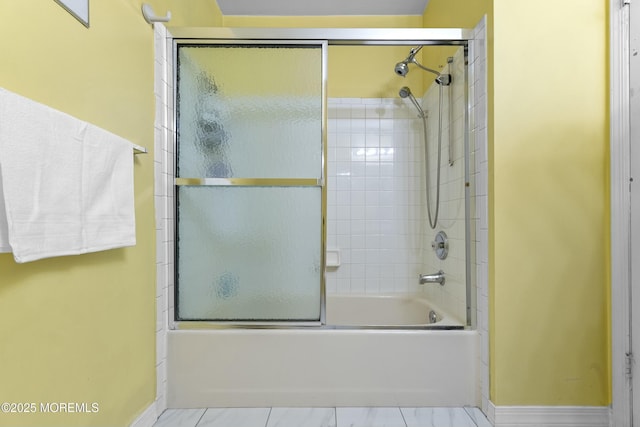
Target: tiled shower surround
(373, 196)
(376, 198)
(392, 176)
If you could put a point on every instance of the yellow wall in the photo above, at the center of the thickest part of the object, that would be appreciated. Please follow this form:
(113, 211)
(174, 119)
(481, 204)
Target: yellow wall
(551, 241)
(82, 328)
(452, 14)
(353, 72)
(548, 186)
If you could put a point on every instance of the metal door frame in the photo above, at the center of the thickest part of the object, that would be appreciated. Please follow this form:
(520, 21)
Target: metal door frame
(621, 35)
(331, 36)
(252, 182)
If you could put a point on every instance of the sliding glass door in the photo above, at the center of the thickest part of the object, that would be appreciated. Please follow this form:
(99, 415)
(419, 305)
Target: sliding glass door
(249, 181)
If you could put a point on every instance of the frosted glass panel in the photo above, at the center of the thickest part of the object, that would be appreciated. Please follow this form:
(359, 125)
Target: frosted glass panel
(250, 111)
(249, 253)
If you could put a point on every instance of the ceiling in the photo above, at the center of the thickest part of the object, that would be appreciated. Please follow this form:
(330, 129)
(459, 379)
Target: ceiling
(321, 7)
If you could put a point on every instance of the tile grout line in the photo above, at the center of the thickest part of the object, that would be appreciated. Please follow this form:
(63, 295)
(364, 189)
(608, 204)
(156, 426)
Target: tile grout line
(472, 418)
(266, 423)
(201, 416)
(403, 418)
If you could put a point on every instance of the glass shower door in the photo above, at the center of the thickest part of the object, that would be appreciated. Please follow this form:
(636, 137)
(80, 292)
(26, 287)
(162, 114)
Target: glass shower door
(249, 181)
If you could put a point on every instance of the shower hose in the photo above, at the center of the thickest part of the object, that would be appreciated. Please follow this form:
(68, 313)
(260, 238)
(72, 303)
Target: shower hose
(433, 219)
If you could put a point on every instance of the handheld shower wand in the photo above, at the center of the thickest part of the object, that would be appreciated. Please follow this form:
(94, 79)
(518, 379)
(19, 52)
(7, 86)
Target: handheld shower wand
(405, 92)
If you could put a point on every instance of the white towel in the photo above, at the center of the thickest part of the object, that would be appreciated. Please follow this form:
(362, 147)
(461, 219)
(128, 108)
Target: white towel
(4, 228)
(67, 184)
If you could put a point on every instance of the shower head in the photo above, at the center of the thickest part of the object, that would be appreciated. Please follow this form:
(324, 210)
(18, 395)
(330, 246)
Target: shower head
(402, 68)
(405, 92)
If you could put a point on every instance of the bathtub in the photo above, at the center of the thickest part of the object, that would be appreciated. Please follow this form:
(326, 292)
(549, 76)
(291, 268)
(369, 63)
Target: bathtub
(387, 311)
(354, 361)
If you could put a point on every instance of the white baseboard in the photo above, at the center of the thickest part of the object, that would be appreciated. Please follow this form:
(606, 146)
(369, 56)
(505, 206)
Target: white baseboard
(549, 416)
(149, 416)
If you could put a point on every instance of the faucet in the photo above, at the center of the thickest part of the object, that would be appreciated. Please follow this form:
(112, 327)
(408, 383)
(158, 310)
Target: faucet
(433, 278)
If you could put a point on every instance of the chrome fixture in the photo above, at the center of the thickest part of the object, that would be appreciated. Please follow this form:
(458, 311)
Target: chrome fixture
(441, 245)
(433, 317)
(402, 67)
(405, 92)
(433, 278)
(444, 79)
(450, 62)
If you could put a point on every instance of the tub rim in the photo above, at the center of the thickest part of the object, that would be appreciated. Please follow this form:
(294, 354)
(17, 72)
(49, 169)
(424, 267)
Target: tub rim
(447, 323)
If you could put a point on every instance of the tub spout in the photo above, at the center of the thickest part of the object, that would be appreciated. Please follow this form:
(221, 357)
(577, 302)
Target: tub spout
(433, 278)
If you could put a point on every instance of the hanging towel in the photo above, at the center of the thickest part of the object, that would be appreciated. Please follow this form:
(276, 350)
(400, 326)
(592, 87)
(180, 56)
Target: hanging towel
(4, 230)
(67, 185)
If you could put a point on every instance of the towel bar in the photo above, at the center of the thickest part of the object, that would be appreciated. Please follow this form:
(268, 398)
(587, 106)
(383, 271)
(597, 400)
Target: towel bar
(137, 149)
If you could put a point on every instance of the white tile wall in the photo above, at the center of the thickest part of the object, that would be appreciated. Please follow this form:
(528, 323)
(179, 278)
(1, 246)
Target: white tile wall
(478, 96)
(164, 213)
(451, 219)
(373, 195)
(376, 194)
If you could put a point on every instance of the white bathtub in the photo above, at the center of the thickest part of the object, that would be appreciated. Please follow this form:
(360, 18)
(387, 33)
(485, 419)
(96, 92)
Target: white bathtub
(325, 366)
(389, 311)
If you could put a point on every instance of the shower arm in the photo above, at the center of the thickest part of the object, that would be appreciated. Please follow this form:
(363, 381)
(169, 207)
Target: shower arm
(414, 61)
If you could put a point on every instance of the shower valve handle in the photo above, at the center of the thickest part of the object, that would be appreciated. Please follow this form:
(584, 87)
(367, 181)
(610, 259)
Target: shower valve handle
(441, 245)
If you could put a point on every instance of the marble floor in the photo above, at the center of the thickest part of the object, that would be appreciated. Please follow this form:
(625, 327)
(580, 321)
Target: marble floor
(323, 417)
